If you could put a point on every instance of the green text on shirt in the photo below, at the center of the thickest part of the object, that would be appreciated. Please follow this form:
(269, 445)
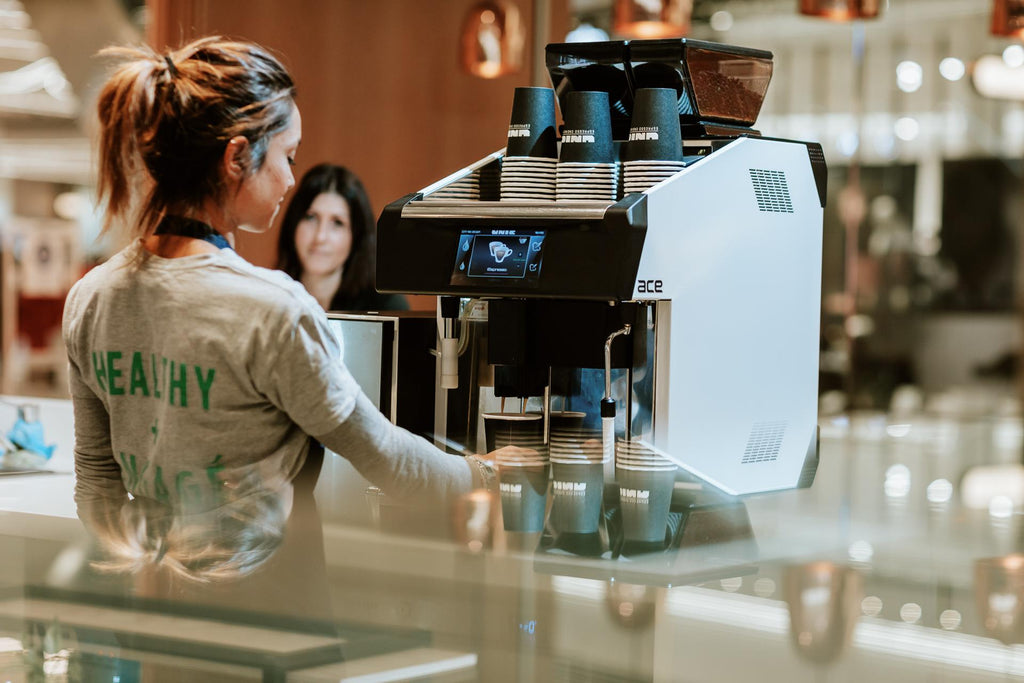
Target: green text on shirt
(151, 376)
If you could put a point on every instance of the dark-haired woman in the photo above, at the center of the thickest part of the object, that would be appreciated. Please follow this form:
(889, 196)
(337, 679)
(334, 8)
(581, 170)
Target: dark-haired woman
(328, 243)
(189, 365)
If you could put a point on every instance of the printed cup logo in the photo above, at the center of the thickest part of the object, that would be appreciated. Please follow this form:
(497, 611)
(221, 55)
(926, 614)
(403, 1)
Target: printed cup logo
(642, 133)
(500, 251)
(519, 130)
(579, 136)
(569, 488)
(511, 489)
(638, 496)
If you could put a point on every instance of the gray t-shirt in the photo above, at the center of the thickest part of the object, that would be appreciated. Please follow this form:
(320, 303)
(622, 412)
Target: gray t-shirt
(192, 376)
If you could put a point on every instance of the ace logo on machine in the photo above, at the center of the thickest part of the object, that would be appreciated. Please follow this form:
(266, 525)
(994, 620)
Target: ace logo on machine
(649, 286)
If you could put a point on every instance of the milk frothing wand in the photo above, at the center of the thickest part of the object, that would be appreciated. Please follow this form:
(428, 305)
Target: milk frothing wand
(608, 403)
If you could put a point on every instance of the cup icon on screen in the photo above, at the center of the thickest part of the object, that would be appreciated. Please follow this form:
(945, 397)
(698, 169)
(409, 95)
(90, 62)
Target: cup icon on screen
(500, 251)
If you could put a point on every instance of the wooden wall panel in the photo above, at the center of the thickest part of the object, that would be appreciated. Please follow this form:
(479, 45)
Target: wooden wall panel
(380, 89)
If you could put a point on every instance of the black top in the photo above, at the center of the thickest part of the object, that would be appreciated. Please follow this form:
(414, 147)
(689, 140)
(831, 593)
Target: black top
(369, 300)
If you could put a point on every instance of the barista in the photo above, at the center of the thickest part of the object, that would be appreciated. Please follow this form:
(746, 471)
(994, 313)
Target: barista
(189, 365)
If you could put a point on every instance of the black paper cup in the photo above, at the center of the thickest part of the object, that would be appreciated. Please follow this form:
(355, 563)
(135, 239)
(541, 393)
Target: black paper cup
(523, 497)
(654, 129)
(531, 130)
(587, 135)
(576, 495)
(517, 429)
(644, 500)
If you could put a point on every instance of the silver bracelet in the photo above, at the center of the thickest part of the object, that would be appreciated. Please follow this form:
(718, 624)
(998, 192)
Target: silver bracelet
(488, 475)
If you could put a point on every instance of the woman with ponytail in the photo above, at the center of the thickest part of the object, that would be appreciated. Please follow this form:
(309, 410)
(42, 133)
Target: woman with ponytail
(189, 365)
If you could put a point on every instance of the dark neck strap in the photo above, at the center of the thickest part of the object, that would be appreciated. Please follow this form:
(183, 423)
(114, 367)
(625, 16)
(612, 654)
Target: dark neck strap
(188, 227)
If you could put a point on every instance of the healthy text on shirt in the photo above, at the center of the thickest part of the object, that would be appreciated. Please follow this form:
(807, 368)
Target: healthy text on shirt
(150, 375)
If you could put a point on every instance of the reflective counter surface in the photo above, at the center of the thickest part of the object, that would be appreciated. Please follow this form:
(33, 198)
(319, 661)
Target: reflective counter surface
(904, 561)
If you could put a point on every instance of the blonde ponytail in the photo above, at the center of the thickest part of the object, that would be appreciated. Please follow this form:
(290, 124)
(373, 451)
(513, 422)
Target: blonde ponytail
(166, 119)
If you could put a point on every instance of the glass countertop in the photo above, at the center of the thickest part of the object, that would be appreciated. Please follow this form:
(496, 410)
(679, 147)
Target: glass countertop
(904, 561)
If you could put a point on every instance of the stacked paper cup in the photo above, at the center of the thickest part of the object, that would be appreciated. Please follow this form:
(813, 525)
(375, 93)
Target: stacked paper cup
(531, 155)
(654, 150)
(466, 188)
(587, 168)
(645, 481)
(517, 439)
(577, 474)
(474, 186)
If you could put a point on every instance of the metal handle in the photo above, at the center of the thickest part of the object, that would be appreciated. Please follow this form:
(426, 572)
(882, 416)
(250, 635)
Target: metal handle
(608, 358)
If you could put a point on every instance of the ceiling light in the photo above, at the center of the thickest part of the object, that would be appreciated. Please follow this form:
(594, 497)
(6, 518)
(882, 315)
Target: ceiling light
(952, 69)
(1008, 18)
(950, 619)
(652, 18)
(492, 40)
(1013, 55)
(847, 143)
(939, 491)
(721, 20)
(586, 33)
(907, 128)
(909, 76)
(840, 10)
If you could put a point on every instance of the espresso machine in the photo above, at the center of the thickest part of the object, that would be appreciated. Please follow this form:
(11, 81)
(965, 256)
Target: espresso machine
(691, 308)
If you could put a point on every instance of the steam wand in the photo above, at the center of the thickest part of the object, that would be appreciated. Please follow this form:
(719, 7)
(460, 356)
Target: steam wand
(608, 403)
(449, 343)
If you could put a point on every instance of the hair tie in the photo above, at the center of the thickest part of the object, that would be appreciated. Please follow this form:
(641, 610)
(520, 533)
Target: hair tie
(170, 65)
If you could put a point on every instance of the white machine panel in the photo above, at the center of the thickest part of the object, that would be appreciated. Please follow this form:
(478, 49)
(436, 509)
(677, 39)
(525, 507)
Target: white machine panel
(734, 242)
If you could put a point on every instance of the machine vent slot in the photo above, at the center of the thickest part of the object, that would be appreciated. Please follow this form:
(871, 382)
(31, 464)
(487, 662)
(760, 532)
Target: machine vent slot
(764, 442)
(771, 190)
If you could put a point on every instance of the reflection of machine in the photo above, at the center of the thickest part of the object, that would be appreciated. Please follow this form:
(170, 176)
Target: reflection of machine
(390, 374)
(716, 270)
(709, 536)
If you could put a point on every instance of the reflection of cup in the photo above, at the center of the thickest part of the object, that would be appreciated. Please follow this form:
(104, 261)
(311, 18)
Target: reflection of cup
(654, 129)
(644, 500)
(472, 518)
(566, 421)
(525, 430)
(635, 455)
(630, 605)
(576, 494)
(531, 131)
(499, 250)
(824, 605)
(999, 597)
(523, 497)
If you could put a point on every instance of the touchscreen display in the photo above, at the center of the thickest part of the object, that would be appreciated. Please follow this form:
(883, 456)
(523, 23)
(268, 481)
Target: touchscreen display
(510, 254)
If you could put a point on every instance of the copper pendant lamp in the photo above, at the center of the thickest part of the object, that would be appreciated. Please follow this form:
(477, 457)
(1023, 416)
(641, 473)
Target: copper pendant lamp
(652, 18)
(1008, 18)
(492, 40)
(840, 10)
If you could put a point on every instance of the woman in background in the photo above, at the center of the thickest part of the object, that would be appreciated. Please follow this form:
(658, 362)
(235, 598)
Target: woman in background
(328, 242)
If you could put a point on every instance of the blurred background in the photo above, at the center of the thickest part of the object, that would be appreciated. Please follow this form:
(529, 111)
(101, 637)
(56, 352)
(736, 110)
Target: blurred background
(918, 104)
